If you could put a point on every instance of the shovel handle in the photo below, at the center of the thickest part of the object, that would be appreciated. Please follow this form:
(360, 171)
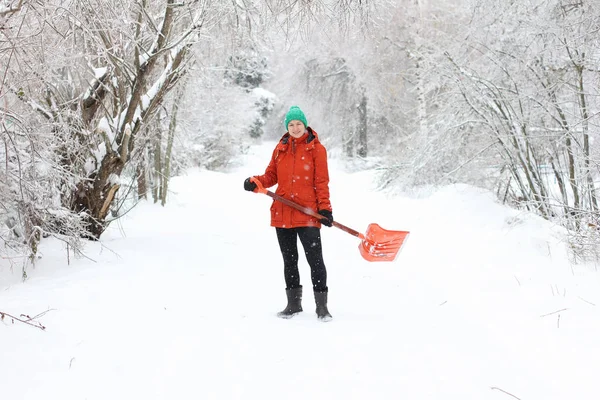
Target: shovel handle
(309, 211)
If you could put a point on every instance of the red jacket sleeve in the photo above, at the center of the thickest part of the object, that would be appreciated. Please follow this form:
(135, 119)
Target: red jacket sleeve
(269, 178)
(321, 177)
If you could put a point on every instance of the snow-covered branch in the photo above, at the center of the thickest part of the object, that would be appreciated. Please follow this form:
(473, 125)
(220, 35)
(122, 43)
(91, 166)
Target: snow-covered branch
(11, 8)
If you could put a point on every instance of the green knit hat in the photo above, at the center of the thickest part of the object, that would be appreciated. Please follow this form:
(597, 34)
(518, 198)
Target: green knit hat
(295, 114)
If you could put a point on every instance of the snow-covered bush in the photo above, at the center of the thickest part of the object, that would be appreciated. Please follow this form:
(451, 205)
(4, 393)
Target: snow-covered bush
(264, 102)
(247, 69)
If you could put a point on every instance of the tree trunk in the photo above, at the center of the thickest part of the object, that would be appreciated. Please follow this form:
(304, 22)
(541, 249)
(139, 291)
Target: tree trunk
(348, 139)
(142, 181)
(362, 126)
(171, 135)
(94, 196)
(586, 142)
(156, 182)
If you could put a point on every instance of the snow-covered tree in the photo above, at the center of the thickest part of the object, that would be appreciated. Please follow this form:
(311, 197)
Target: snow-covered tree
(528, 81)
(107, 69)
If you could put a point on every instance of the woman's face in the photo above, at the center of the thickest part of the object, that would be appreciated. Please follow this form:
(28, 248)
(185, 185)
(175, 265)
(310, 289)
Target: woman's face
(296, 128)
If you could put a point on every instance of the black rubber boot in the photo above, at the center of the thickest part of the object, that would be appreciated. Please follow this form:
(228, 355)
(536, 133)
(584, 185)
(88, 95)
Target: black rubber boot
(294, 305)
(321, 302)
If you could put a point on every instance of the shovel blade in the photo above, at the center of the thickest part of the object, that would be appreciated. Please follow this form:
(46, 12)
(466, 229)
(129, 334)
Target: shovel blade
(381, 244)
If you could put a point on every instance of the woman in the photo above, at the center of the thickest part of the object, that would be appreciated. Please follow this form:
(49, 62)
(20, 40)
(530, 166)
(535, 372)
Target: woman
(299, 168)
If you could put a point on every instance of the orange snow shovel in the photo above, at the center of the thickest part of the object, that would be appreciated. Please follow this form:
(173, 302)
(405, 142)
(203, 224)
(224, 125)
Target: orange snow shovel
(377, 244)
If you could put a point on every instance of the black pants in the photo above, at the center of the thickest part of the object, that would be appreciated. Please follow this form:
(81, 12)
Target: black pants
(311, 241)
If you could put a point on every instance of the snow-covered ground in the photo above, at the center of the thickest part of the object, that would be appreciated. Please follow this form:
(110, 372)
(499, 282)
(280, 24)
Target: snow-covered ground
(179, 303)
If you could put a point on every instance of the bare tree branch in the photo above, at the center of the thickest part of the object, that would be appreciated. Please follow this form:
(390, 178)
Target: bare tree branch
(26, 319)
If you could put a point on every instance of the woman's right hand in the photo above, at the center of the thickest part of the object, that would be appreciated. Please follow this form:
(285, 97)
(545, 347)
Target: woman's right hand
(249, 185)
(328, 220)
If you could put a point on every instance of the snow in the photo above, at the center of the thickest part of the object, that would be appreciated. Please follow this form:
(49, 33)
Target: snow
(99, 72)
(160, 82)
(114, 179)
(105, 128)
(263, 93)
(179, 302)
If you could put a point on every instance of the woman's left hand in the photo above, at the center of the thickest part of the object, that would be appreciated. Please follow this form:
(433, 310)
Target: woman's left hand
(328, 220)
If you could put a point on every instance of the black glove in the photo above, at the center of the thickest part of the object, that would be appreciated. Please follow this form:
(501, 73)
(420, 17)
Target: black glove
(249, 185)
(328, 220)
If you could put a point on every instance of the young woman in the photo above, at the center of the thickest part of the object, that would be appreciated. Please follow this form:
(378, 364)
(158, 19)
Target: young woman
(299, 168)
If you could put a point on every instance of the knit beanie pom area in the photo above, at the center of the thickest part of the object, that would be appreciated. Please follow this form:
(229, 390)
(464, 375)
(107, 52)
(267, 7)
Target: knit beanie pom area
(295, 114)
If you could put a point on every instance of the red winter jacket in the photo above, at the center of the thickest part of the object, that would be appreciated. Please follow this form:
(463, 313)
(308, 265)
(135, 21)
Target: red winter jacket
(299, 168)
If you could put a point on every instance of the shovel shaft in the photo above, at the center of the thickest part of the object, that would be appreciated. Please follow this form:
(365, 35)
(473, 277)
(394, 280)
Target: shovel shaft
(312, 213)
(349, 230)
(377, 244)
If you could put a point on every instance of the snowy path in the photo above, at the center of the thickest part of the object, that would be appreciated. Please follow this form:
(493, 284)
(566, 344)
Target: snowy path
(180, 303)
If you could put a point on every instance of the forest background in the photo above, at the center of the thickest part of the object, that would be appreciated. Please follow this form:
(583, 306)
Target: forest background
(103, 101)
